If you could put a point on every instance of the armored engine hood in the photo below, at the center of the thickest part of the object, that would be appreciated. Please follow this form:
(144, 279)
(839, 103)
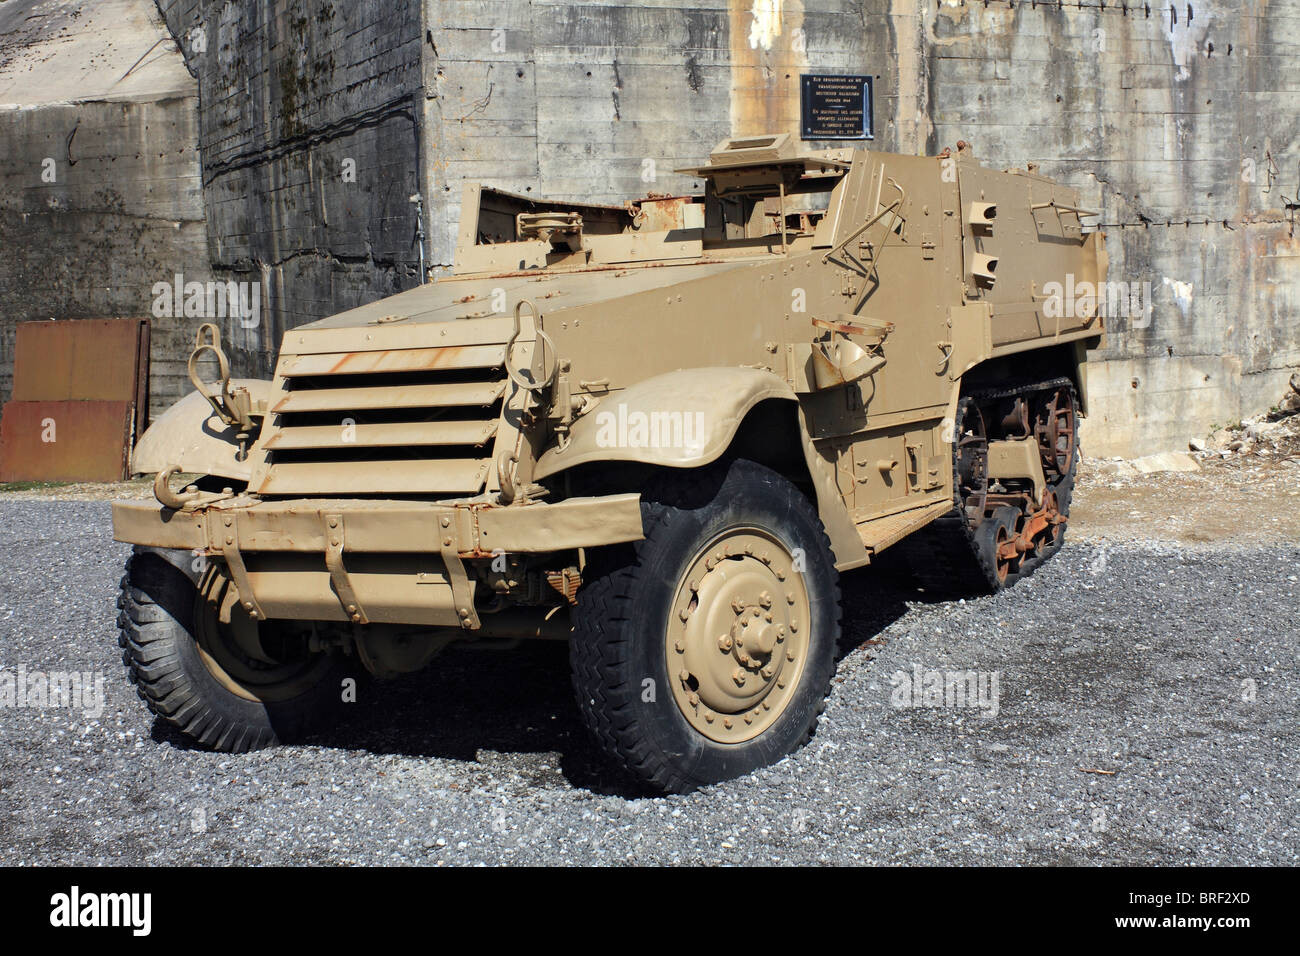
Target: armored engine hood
(407, 395)
(484, 297)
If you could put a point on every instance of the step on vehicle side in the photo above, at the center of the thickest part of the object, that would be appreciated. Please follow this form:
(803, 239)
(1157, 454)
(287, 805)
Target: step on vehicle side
(657, 431)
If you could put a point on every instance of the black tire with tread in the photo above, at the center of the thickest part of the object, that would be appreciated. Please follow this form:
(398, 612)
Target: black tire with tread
(620, 627)
(157, 605)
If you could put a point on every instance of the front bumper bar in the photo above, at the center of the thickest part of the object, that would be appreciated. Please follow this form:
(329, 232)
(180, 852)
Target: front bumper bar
(399, 562)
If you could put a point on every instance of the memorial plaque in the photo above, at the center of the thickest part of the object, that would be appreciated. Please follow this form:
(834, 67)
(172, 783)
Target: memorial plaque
(835, 106)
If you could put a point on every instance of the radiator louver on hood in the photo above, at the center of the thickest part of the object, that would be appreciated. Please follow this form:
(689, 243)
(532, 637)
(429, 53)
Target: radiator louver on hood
(419, 421)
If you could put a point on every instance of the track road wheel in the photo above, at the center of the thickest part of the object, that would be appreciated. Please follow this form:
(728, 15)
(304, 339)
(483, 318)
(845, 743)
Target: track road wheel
(995, 538)
(705, 651)
(1056, 427)
(947, 557)
(232, 686)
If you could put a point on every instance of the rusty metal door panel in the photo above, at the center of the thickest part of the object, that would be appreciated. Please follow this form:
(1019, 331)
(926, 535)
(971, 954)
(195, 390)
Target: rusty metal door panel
(80, 396)
(104, 360)
(65, 441)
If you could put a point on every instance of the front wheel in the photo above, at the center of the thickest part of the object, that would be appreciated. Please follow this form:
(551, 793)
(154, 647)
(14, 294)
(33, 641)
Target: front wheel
(221, 678)
(705, 651)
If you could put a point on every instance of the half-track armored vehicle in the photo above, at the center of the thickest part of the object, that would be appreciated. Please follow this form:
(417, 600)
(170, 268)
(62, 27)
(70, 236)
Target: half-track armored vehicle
(657, 431)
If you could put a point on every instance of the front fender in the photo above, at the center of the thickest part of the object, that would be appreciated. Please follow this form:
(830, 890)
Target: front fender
(681, 419)
(189, 436)
(723, 397)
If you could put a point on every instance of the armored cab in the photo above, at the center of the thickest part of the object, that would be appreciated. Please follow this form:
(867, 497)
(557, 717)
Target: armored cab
(657, 431)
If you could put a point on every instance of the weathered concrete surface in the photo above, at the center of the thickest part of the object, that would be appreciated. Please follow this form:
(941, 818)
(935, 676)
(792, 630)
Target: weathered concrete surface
(589, 99)
(67, 51)
(604, 100)
(1182, 130)
(99, 175)
(310, 153)
(1181, 125)
(1178, 122)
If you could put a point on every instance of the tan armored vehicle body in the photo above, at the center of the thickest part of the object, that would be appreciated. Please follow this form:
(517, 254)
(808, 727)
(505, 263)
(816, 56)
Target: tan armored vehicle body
(657, 431)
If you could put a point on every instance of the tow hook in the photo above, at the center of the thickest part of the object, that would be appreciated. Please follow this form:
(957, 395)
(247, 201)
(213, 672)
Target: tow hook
(232, 405)
(162, 490)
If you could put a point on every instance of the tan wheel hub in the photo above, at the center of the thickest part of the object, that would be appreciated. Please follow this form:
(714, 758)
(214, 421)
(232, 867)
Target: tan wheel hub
(228, 646)
(738, 635)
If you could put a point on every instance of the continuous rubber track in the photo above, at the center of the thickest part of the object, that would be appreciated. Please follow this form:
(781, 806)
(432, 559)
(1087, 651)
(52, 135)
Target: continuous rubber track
(944, 557)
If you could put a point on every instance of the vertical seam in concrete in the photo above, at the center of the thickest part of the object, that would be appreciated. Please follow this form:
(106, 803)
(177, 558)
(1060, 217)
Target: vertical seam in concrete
(760, 35)
(915, 126)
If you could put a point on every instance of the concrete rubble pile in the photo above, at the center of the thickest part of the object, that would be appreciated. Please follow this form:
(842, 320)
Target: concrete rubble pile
(1272, 438)
(1274, 434)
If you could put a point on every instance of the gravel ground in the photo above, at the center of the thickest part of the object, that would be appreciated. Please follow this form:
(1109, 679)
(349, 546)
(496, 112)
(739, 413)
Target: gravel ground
(1146, 714)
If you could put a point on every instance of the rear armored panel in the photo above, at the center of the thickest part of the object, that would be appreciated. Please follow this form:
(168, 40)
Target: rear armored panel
(1021, 234)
